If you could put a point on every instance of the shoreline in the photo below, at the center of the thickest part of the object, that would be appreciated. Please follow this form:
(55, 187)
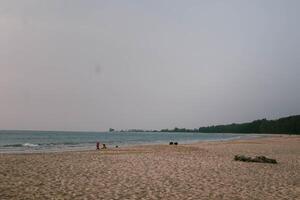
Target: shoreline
(89, 148)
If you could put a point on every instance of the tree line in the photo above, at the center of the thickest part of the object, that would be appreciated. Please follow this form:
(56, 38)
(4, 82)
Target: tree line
(286, 125)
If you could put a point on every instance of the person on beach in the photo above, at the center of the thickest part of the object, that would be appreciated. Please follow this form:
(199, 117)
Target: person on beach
(97, 146)
(104, 146)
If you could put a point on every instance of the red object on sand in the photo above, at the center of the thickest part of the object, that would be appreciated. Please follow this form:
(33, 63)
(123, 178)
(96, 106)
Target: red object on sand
(97, 145)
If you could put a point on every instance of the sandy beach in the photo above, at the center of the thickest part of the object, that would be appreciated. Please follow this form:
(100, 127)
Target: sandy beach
(205, 170)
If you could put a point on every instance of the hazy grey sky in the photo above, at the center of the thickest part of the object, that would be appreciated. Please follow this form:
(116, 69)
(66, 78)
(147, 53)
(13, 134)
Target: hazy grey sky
(91, 65)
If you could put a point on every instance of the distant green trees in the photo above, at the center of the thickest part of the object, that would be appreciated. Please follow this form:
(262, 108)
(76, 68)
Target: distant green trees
(182, 130)
(287, 125)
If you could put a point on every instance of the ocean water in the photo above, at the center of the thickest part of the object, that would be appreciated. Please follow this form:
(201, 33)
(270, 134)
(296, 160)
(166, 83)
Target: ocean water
(47, 141)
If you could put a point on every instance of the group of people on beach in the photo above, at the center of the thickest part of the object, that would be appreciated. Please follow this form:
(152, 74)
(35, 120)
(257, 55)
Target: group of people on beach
(173, 143)
(98, 146)
(103, 146)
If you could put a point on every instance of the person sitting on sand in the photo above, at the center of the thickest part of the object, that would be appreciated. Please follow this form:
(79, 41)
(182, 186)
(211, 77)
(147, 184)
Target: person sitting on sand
(103, 146)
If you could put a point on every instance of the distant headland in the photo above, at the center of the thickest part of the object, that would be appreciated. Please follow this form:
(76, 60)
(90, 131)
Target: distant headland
(286, 125)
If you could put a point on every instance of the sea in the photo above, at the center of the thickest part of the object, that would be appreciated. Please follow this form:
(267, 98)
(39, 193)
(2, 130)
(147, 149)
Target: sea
(56, 141)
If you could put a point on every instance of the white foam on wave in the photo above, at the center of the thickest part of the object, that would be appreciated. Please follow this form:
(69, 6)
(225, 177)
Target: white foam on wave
(30, 145)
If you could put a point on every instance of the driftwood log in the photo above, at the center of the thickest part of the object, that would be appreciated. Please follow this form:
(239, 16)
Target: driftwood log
(259, 159)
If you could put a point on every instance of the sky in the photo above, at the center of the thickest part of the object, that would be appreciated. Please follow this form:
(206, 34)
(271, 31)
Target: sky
(94, 65)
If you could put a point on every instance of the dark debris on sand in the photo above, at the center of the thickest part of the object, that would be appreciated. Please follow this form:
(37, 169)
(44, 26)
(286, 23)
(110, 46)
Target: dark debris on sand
(259, 159)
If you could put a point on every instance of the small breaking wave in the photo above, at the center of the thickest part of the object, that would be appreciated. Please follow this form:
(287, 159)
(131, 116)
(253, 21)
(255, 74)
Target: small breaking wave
(21, 145)
(30, 145)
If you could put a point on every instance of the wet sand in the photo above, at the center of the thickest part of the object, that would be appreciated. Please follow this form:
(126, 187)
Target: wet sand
(205, 170)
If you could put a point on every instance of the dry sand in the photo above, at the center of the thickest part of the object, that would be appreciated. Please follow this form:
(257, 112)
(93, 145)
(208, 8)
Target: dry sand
(204, 170)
